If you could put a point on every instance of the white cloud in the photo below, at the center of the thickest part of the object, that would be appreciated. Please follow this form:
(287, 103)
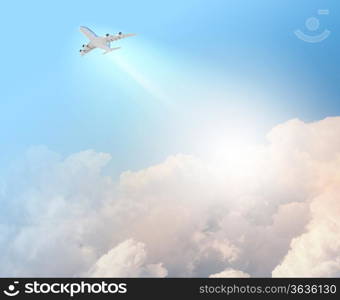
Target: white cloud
(128, 259)
(316, 253)
(230, 273)
(270, 209)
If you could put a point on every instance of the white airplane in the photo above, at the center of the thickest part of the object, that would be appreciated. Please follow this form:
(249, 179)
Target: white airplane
(102, 42)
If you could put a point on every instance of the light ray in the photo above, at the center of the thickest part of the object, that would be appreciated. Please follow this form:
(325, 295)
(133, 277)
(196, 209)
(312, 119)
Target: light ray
(140, 78)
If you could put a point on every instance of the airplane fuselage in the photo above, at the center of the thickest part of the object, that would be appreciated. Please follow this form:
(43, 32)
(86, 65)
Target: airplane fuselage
(99, 42)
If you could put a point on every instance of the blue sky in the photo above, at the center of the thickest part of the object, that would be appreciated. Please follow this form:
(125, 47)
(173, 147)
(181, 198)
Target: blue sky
(196, 69)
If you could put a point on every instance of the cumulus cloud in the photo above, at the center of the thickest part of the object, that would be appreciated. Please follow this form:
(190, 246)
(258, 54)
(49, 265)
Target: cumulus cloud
(316, 253)
(126, 260)
(270, 210)
(230, 273)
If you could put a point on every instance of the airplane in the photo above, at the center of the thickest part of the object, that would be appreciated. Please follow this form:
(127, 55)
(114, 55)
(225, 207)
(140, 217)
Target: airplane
(102, 42)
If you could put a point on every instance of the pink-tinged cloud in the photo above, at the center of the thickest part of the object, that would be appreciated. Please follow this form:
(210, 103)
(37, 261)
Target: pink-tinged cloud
(273, 210)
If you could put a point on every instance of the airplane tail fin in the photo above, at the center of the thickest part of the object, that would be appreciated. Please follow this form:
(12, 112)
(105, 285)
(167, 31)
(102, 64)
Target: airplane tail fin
(111, 49)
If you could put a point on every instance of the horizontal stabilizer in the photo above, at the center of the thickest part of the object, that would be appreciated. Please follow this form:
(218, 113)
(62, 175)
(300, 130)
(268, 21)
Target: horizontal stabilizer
(111, 49)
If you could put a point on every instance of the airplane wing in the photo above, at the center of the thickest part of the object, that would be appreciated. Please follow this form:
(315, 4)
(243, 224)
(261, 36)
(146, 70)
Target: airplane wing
(86, 50)
(115, 37)
(87, 32)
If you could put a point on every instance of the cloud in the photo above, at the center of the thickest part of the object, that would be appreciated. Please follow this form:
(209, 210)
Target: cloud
(126, 260)
(230, 273)
(269, 210)
(316, 253)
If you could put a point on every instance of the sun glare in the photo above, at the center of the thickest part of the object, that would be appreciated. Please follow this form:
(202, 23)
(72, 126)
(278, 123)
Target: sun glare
(235, 154)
